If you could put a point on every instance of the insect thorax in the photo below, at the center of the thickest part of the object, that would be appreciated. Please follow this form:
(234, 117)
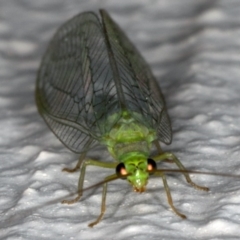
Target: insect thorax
(128, 137)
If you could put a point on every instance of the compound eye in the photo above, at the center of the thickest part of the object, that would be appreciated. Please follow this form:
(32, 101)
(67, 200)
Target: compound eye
(121, 171)
(152, 166)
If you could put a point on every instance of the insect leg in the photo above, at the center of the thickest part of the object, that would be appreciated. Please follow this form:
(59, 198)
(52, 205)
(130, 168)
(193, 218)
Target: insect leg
(103, 206)
(79, 163)
(80, 160)
(160, 151)
(82, 176)
(169, 197)
(168, 155)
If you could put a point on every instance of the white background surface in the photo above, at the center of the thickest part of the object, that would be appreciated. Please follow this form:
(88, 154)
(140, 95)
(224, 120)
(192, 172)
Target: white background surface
(193, 48)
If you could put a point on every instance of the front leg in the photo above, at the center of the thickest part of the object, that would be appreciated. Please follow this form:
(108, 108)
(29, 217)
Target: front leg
(81, 158)
(104, 195)
(79, 163)
(168, 155)
(82, 176)
(160, 152)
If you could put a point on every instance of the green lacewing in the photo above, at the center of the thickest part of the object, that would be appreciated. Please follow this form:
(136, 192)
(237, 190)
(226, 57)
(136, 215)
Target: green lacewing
(94, 87)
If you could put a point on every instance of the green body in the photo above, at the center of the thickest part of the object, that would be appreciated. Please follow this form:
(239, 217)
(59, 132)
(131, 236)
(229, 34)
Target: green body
(130, 142)
(93, 86)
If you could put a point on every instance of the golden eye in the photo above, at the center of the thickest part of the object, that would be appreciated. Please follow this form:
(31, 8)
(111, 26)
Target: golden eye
(121, 171)
(152, 166)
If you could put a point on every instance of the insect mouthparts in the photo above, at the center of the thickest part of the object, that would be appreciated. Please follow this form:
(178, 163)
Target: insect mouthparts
(139, 190)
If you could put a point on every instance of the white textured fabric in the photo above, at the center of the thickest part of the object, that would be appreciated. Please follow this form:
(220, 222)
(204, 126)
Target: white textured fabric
(193, 48)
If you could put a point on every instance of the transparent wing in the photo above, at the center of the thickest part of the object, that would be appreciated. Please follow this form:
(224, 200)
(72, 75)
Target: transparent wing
(91, 73)
(142, 95)
(75, 91)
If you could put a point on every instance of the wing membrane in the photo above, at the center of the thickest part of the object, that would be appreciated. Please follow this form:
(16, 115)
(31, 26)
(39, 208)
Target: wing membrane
(89, 72)
(140, 88)
(75, 90)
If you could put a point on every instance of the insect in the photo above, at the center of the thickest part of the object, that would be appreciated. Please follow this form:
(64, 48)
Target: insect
(93, 87)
